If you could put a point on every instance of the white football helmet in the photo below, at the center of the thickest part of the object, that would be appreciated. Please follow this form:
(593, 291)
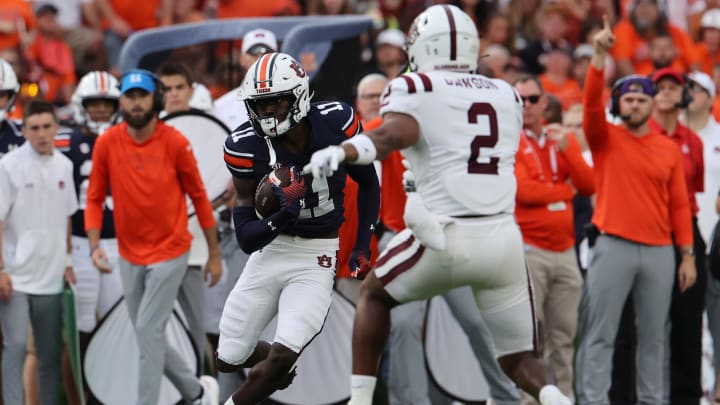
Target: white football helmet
(8, 83)
(272, 76)
(93, 86)
(443, 37)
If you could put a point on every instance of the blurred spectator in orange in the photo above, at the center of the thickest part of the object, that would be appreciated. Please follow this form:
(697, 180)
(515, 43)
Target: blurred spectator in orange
(329, 7)
(124, 17)
(709, 46)
(186, 11)
(557, 79)
(663, 52)
(553, 28)
(253, 8)
(53, 56)
(80, 23)
(685, 14)
(646, 21)
(16, 21)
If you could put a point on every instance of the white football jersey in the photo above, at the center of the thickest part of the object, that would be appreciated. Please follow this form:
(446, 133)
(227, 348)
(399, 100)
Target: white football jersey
(464, 161)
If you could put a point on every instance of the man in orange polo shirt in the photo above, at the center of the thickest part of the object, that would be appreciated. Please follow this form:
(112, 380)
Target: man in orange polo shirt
(684, 347)
(642, 210)
(151, 169)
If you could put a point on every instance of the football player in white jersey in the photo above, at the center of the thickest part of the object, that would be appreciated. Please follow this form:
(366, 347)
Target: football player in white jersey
(460, 133)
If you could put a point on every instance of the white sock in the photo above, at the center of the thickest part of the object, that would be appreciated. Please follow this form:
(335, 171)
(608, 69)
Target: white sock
(230, 401)
(362, 388)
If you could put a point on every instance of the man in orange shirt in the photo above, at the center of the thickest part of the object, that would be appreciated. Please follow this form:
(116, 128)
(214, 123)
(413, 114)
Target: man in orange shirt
(646, 21)
(642, 208)
(684, 347)
(550, 170)
(151, 168)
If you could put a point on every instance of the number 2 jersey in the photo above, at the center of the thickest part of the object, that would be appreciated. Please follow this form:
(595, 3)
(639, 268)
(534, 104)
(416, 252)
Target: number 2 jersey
(248, 155)
(469, 133)
(78, 147)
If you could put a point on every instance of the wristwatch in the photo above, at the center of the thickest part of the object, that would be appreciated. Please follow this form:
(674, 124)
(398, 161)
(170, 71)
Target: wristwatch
(688, 252)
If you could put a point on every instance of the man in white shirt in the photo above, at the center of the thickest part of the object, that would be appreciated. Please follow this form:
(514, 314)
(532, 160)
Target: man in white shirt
(700, 119)
(37, 198)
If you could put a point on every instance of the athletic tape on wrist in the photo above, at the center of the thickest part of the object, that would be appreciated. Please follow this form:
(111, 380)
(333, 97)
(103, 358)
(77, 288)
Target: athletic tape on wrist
(365, 149)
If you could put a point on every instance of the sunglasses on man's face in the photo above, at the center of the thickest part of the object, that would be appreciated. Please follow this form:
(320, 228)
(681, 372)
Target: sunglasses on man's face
(533, 99)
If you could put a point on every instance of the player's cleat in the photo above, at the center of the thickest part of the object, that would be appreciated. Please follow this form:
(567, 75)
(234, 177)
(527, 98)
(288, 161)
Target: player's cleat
(211, 391)
(551, 395)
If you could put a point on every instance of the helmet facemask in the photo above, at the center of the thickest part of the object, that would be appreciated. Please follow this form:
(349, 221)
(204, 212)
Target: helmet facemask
(99, 127)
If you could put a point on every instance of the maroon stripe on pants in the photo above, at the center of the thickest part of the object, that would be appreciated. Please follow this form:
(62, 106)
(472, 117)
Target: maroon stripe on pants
(397, 249)
(402, 267)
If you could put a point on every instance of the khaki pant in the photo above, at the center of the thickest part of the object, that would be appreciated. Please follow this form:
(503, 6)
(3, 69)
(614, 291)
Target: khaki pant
(556, 287)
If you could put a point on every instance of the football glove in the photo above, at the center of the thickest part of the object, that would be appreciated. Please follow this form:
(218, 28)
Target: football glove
(290, 196)
(359, 263)
(325, 162)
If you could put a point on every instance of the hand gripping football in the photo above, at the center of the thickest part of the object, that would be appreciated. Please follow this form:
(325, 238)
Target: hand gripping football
(283, 185)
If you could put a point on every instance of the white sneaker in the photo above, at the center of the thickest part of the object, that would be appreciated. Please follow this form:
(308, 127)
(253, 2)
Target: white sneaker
(211, 391)
(551, 395)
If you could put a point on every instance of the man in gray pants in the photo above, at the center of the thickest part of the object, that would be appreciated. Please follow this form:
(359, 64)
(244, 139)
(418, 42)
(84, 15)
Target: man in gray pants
(151, 169)
(641, 206)
(408, 379)
(34, 245)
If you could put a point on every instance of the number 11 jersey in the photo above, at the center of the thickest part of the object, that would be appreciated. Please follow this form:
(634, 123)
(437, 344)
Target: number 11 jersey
(464, 161)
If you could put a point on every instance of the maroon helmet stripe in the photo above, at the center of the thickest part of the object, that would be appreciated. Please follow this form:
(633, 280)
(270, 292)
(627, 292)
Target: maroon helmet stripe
(453, 34)
(410, 84)
(426, 82)
(402, 267)
(395, 250)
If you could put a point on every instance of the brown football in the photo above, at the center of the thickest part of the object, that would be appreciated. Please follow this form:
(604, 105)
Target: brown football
(266, 203)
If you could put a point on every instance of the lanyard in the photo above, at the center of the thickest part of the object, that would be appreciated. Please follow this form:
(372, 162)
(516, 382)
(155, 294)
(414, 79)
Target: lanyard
(552, 152)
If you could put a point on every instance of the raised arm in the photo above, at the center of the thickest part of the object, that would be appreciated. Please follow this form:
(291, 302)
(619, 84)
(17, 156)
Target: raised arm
(594, 122)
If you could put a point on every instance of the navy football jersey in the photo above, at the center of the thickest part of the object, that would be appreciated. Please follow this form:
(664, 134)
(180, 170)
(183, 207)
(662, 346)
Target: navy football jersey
(78, 147)
(249, 155)
(11, 135)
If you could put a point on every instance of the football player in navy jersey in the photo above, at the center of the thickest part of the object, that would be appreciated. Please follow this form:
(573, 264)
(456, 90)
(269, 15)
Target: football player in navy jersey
(95, 109)
(291, 270)
(10, 130)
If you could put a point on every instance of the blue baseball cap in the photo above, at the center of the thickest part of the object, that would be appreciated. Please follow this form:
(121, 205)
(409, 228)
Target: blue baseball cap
(137, 79)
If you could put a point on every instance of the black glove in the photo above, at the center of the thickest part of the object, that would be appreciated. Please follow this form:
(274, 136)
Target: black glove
(359, 263)
(291, 195)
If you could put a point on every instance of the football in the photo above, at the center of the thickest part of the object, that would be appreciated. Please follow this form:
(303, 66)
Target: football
(266, 203)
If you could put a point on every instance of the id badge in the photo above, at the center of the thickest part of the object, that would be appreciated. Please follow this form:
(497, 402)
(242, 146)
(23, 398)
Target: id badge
(557, 206)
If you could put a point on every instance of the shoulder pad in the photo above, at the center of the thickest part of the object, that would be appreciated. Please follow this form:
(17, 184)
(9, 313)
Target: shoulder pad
(63, 139)
(238, 150)
(339, 116)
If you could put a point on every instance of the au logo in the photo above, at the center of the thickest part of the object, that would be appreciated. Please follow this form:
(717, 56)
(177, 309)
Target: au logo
(135, 78)
(325, 261)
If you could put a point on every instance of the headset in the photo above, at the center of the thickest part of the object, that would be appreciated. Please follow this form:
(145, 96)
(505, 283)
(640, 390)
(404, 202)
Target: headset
(686, 98)
(158, 94)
